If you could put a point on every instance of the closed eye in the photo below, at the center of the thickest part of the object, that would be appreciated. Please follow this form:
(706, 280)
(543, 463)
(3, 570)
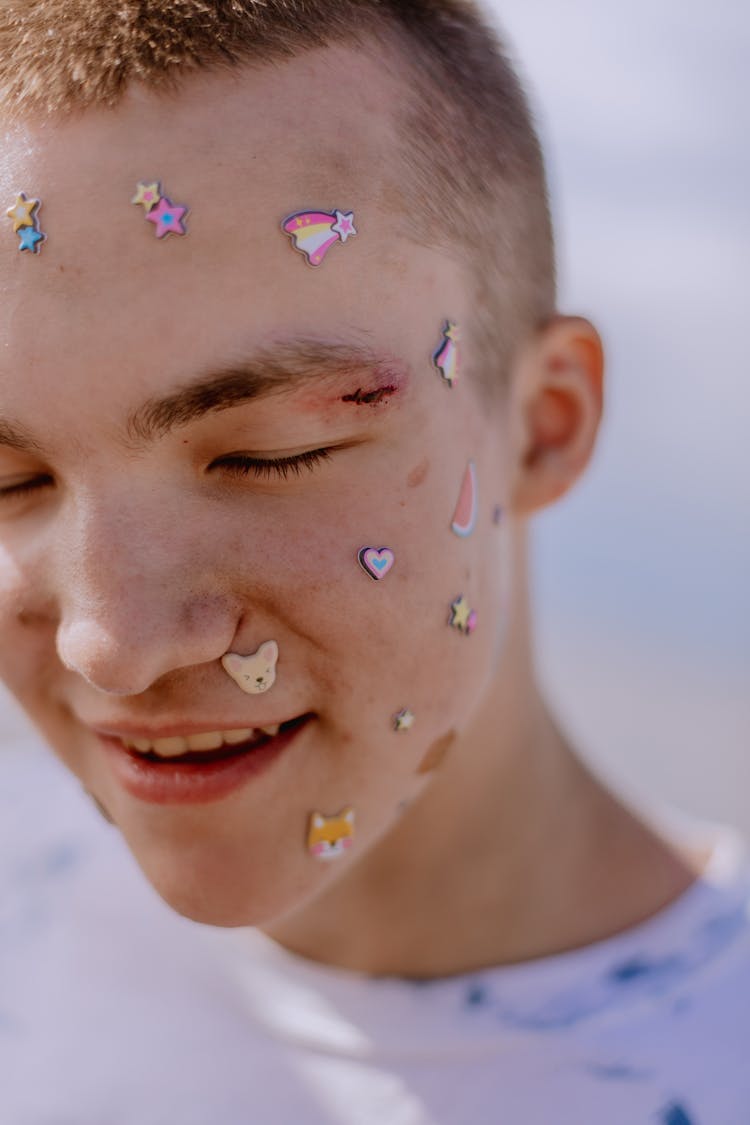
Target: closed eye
(24, 487)
(241, 465)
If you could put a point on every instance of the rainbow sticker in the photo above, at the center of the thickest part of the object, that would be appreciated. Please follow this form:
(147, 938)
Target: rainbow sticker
(313, 233)
(447, 357)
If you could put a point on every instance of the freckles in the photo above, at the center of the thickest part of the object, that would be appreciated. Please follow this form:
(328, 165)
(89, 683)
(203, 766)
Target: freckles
(436, 754)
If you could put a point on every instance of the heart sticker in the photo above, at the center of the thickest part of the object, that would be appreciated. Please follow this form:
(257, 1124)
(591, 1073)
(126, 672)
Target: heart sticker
(377, 561)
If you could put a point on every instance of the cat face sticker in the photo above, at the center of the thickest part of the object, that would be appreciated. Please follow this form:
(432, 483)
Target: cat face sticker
(330, 836)
(255, 673)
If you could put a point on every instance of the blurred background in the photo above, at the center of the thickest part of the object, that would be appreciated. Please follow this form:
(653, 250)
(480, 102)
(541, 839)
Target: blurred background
(642, 575)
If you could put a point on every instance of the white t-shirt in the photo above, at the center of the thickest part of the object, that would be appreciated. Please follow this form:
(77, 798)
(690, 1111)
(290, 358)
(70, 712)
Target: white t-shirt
(116, 1011)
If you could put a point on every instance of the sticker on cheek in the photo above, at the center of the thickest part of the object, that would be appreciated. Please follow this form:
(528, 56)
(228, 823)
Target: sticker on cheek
(462, 617)
(313, 233)
(376, 561)
(447, 358)
(329, 837)
(465, 515)
(255, 673)
(404, 720)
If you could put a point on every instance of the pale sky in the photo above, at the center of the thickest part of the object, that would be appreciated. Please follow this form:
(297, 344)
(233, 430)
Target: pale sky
(643, 573)
(645, 114)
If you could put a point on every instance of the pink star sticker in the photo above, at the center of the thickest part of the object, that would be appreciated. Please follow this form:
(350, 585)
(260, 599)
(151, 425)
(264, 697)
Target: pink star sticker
(344, 225)
(168, 218)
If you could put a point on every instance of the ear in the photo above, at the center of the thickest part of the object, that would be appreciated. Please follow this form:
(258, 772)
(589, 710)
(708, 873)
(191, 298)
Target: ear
(318, 821)
(269, 651)
(231, 661)
(349, 816)
(556, 409)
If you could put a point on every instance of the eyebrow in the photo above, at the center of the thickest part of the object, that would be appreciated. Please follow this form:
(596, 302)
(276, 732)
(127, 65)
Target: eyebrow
(267, 372)
(17, 437)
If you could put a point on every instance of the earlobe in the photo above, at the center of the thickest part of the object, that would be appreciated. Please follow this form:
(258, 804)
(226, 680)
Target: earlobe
(558, 402)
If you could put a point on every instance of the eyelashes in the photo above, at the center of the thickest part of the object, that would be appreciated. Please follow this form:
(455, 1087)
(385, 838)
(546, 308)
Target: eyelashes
(24, 488)
(237, 465)
(281, 467)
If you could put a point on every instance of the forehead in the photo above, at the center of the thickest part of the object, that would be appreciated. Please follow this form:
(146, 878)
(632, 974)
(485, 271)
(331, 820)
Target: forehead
(242, 150)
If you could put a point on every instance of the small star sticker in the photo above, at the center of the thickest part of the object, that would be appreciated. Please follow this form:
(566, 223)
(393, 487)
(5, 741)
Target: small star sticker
(30, 238)
(404, 720)
(148, 195)
(463, 616)
(344, 225)
(452, 332)
(168, 218)
(22, 212)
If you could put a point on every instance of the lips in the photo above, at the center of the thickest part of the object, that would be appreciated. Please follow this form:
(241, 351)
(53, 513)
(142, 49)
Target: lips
(197, 777)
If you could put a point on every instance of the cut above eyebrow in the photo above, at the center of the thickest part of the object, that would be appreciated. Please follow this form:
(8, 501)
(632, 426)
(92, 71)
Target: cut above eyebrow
(265, 373)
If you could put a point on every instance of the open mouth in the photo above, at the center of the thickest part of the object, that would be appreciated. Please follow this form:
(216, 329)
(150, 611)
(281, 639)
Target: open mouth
(211, 746)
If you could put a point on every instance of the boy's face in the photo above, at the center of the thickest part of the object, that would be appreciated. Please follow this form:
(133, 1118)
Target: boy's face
(134, 562)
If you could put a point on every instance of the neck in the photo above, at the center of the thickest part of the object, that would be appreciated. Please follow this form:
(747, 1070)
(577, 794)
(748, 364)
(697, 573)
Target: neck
(507, 838)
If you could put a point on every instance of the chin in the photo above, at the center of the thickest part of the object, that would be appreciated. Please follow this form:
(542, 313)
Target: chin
(226, 894)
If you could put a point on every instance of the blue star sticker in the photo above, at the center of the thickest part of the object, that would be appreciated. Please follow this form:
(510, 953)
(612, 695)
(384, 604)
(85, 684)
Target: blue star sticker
(30, 238)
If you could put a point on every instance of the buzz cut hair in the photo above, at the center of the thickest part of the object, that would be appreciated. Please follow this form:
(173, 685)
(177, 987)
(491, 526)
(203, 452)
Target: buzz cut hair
(467, 142)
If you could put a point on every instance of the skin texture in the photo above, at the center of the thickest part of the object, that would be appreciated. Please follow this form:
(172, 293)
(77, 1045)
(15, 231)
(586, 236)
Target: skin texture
(137, 564)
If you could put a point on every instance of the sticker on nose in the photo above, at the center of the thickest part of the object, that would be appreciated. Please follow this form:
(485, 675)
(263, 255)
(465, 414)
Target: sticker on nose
(255, 673)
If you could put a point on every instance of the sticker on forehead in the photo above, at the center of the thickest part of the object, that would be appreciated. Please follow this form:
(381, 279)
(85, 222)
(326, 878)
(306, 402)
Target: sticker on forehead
(24, 214)
(313, 233)
(167, 217)
(465, 515)
(329, 837)
(447, 358)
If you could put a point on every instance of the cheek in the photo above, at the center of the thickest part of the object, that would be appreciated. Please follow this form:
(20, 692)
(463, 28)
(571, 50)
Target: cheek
(372, 646)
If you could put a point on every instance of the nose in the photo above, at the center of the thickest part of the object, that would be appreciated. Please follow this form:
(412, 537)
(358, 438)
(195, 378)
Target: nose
(138, 600)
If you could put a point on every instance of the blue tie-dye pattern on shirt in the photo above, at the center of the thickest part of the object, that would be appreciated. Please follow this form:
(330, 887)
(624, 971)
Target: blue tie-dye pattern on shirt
(477, 996)
(639, 976)
(676, 1114)
(619, 1072)
(29, 898)
(663, 968)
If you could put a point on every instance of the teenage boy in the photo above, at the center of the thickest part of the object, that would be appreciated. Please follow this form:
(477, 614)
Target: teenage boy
(282, 380)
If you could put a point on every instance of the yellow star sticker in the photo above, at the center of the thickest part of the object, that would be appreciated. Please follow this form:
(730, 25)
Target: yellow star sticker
(148, 195)
(460, 613)
(22, 212)
(452, 332)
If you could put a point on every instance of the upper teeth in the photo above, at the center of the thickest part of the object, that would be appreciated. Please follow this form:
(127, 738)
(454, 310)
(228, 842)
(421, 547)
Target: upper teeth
(208, 740)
